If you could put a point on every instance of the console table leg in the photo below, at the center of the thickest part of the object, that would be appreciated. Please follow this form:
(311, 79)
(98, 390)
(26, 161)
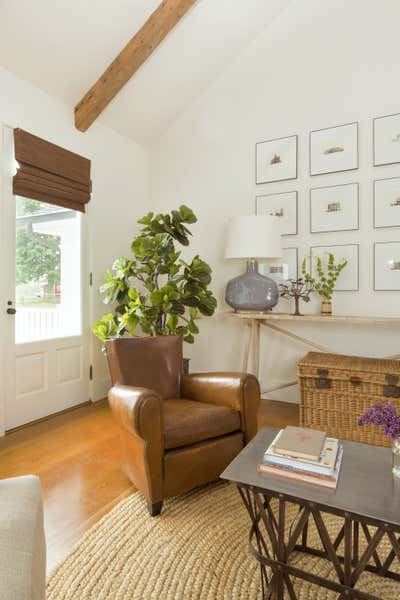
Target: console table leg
(247, 347)
(256, 347)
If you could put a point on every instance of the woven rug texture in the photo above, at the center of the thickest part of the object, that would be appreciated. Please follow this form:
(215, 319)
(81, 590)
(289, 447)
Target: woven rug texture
(196, 550)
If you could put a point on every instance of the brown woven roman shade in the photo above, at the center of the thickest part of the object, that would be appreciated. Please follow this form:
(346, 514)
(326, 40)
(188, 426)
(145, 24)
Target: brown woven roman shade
(49, 173)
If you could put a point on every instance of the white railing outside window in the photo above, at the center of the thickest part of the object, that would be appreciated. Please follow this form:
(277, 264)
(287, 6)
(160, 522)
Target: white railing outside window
(35, 323)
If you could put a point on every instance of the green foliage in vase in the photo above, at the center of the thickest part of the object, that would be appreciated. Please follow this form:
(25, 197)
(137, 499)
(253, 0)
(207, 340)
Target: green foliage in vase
(155, 289)
(326, 277)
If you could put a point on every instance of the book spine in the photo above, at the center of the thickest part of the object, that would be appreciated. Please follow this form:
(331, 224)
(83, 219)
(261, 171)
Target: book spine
(298, 455)
(295, 473)
(306, 470)
(331, 485)
(299, 465)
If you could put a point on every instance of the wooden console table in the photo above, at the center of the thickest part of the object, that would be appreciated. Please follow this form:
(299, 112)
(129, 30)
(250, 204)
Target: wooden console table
(255, 320)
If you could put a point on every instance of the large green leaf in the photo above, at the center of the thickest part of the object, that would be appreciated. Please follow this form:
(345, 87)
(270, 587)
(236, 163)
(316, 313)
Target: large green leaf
(155, 289)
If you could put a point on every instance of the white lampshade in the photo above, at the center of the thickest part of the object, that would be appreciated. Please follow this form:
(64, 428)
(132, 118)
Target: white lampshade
(254, 236)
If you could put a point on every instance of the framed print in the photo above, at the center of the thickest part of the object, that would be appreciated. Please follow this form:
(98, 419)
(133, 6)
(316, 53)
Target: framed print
(284, 269)
(348, 280)
(290, 258)
(387, 202)
(334, 149)
(386, 134)
(284, 206)
(334, 208)
(276, 160)
(387, 266)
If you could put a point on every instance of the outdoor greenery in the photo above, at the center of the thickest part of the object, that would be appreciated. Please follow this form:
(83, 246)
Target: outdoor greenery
(155, 289)
(324, 282)
(37, 254)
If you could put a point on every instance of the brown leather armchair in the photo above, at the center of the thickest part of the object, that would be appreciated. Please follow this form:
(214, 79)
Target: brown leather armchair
(177, 431)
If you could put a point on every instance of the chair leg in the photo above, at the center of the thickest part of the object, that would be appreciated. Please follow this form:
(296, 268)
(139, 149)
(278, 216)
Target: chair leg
(154, 508)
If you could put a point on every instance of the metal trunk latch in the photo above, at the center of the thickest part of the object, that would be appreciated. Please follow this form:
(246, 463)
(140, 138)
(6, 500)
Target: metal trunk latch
(322, 382)
(391, 389)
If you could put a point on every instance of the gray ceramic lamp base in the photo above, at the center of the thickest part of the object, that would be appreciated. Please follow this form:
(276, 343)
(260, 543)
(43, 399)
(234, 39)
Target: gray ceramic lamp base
(252, 291)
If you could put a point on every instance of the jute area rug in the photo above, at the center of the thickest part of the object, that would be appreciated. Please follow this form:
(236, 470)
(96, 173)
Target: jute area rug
(196, 549)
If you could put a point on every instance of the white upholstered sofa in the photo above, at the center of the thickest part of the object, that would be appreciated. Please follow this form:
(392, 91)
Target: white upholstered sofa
(22, 541)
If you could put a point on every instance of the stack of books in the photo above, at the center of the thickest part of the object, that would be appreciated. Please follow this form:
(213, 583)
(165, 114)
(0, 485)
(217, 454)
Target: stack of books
(304, 455)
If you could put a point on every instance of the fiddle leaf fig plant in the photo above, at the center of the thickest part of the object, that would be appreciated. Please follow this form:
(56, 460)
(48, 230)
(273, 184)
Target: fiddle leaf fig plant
(326, 276)
(155, 289)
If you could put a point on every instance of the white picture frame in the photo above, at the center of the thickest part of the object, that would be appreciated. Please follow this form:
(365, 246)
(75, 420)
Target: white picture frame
(387, 266)
(386, 136)
(276, 160)
(348, 280)
(283, 205)
(284, 269)
(334, 149)
(334, 208)
(387, 202)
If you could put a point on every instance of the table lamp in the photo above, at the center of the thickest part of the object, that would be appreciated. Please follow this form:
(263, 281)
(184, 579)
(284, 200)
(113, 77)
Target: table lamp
(251, 238)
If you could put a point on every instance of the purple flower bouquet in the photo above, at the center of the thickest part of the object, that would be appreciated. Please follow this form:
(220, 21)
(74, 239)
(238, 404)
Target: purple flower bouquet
(385, 416)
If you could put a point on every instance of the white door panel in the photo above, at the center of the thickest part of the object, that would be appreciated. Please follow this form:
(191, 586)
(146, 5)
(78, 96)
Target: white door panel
(45, 343)
(50, 376)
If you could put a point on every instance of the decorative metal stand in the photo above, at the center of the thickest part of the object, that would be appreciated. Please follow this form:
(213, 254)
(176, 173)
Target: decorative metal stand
(276, 553)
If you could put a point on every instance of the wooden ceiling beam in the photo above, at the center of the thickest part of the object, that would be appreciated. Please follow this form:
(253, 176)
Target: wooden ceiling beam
(130, 59)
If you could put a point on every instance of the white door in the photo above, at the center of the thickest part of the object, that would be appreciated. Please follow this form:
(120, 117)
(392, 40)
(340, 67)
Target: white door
(44, 323)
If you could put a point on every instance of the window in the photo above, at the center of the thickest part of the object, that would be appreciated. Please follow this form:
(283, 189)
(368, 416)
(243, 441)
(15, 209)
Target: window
(48, 271)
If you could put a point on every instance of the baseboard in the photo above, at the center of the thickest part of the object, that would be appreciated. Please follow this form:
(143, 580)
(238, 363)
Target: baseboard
(48, 417)
(289, 394)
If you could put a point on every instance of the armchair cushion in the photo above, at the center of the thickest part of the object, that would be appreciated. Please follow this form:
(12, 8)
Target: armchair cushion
(238, 391)
(187, 422)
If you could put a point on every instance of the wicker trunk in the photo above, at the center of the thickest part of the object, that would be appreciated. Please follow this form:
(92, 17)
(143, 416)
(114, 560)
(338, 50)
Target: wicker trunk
(336, 390)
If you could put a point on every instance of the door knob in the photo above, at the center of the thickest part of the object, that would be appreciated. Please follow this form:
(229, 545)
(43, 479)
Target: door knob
(11, 311)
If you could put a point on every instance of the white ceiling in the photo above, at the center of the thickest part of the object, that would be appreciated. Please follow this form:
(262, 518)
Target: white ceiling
(63, 46)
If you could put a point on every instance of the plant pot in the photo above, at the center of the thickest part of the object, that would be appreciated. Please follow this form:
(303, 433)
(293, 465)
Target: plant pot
(326, 308)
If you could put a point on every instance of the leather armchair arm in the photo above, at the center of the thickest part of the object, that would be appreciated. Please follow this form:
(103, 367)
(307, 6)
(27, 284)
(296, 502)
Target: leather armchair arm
(239, 391)
(138, 410)
(139, 416)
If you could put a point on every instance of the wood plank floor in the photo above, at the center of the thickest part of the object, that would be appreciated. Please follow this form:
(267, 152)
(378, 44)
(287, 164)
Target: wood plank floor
(76, 456)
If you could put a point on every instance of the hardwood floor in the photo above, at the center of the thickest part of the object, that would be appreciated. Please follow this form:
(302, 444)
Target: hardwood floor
(76, 456)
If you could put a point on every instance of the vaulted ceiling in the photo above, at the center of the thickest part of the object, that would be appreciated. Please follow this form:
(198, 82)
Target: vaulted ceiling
(64, 46)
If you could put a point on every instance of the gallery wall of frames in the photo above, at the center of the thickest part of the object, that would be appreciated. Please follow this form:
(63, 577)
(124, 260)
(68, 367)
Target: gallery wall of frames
(338, 209)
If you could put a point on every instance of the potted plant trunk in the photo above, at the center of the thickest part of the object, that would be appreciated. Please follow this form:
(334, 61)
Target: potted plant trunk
(155, 292)
(325, 280)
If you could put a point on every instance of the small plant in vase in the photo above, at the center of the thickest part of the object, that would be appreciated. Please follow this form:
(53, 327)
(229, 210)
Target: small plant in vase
(299, 289)
(325, 280)
(387, 418)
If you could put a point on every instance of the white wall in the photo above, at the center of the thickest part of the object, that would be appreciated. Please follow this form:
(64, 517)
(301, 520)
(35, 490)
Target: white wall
(119, 175)
(320, 64)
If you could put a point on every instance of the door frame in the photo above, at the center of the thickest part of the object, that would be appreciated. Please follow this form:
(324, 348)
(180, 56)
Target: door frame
(6, 238)
(7, 290)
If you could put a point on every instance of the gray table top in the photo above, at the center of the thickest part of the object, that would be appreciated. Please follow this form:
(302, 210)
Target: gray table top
(366, 485)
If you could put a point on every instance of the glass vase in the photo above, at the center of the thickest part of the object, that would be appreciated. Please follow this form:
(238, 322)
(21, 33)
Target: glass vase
(396, 457)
